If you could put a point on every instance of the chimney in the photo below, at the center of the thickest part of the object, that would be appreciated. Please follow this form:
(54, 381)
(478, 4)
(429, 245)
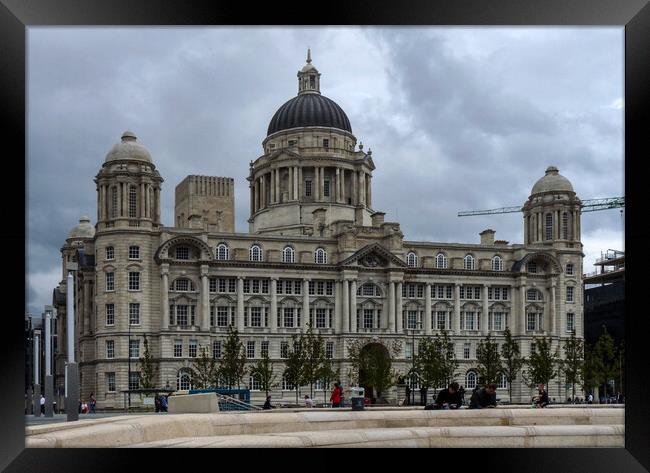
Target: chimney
(487, 237)
(377, 219)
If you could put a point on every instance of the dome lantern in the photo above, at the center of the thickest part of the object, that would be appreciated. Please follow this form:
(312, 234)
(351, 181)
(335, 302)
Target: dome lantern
(308, 78)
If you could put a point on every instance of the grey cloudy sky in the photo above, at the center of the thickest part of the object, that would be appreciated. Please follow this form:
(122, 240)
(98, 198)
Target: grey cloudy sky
(457, 119)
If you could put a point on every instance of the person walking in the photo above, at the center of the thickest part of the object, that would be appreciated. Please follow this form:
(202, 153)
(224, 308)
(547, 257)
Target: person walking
(156, 402)
(335, 398)
(163, 403)
(92, 403)
(42, 400)
(485, 397)
(267, 404)
(590, 398)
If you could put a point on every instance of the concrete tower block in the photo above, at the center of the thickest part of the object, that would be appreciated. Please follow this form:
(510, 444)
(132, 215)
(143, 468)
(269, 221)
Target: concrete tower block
(211, 199)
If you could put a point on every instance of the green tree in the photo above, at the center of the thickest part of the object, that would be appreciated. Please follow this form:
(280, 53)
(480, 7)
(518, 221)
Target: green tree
(512, 360)
(232, 365)
(488, 361)
(605, 359)
(295, 363)
(147, 367)
(588, 372)
(204, 370)
(376, 365)
(314, 350)
(263, 370)
(428, 364)
(448, 361)
(572, 365)
(542, 364)
(327, 374)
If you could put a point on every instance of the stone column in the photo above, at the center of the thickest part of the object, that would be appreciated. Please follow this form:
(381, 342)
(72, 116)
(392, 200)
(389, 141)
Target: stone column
(273, 323)
(346, 306)
(526, 230)
(338, 319)
(369, 202)
(457, 309)
(355, 185)
(362, 187)
(290, 183)
(305, 303)
(427, 309)
(522, 307)
(353, 305)
(300, 184)
(205, 299)
(86, 307)
(278, 196)
(256, 197)
(321, 175)
(165, 296)
(398, 308)
(337, 186)
(391, 307)
(343, 186)
(240, 304)
(317, 189)
(484, 321)
(157, 204)
(143, 200)
(553, 312)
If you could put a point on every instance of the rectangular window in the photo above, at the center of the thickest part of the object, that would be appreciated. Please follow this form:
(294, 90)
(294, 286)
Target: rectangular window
(134, 281)
(326, 188)
(216, 349)
(110, 382)
(565, 226)
(329, 350)
(411, 290)
(569, 294)
(466, 350)
(449, 292)
(412, 319)
(308, 188)
(178, 348)
(255, 286)
(110, 314)
(477, 292)
(569, 269)
(321, 318)
(469, 320)
(293, 142)
(247, 286)
(232, 285)
(181, 315)
(133, 196)
(171, 314)
(462, 292)
(265, 286)
(326, 143)
(134, 313)
(134, 348)
(222, 285)
(134, 252)
(222, 316)
(497, 321)
(320, 288)
(532, 267)
(442, 320)
(408, 350)
(256, 316)
(288, 317)
(491, 293)
(284, 349)
(192, 349)
(504, 293)
(250, 349)
(110, 281)
(264, 349)
(110, 254)
(297, 287)
(549, 226)
(134, 380)
(110, 348)
(368, 318)
(311, 288)
(531, 321)
(570, 322)
(329, 288)
(213, 285)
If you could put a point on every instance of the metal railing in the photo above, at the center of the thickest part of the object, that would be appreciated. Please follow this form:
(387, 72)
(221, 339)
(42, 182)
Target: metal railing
(229, 403)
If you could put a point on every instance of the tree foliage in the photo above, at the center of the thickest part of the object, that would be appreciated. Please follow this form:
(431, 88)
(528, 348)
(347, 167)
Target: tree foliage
(448, 361)
(328, 374)
(605, 359)
(263, 370)
(572, 364)
(203, 370)
(314, 356)
(232, 365)
(512, 360)
(295, 363)
(541, 367)
(376, 366)
(147, 367)
(489, 364)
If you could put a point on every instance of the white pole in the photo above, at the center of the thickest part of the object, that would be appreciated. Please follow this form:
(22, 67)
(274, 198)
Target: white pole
(70, 316)
(37, 357)
(48, 343)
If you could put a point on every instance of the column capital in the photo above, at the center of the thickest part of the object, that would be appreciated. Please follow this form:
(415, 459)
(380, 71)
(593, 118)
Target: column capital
(204, 270)
(164, 269)
(274, 278)
(241, 278)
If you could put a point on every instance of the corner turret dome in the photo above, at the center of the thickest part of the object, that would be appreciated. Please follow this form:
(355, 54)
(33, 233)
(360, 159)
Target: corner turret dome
(128, 149)
(551, 182)
(84, 229)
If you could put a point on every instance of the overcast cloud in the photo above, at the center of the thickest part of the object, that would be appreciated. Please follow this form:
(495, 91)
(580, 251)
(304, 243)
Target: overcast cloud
(457, 119)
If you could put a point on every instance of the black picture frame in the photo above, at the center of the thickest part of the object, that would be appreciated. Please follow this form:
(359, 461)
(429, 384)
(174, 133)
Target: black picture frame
(634, 15)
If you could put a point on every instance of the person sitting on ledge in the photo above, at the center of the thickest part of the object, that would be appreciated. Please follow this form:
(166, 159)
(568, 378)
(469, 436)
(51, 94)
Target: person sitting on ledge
(449, 398)
(485, 397)
(541, 400)
(267, 404)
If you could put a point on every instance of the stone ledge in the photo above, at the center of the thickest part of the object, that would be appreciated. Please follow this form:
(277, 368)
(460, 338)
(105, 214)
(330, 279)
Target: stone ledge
(146, 428)
(446, 437)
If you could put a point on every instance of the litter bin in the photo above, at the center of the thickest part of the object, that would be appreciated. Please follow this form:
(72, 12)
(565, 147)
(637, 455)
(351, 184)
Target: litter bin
(356, 398)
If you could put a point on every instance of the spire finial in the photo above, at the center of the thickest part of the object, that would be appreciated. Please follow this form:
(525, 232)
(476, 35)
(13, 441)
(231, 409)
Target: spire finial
(308, 56)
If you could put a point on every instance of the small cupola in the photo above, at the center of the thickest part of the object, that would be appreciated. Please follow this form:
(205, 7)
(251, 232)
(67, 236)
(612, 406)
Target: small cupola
(308, 78)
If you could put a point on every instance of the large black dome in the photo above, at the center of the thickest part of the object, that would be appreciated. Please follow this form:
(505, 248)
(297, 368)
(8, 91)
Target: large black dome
(309, 110)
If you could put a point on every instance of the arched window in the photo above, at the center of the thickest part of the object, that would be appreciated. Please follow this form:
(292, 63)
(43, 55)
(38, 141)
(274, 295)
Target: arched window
(114, 202)
(182, 252)
(255, 253)
(532, 267)
(412, 259)
(288, 255)
(471, 379)
(222, 251)
(320, 256)
(133, 199)
(469, 262)
(183, 381)
(183, 285)
(497, 263)
(502, 382)
(441, 261)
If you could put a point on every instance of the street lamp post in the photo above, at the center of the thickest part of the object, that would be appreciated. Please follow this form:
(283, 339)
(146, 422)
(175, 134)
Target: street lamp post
(49, 381)
(72, 373)
(128, 381)
(37, 384)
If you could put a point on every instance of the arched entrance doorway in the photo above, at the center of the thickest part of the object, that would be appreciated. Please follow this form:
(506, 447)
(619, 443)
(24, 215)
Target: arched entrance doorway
(374, 371)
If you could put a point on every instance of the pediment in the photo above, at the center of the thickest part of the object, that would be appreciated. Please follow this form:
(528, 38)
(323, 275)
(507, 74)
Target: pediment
(374, 256)
(282, 153)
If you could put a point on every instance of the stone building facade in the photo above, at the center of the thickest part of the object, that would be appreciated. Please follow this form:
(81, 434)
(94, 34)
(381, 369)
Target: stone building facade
(316, 251)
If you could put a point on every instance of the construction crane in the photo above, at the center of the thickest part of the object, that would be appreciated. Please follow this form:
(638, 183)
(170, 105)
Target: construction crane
(589, 205)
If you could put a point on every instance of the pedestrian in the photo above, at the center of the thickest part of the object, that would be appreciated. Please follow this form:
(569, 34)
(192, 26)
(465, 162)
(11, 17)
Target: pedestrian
(541, 399)
(267, 404)
(590, 398)
(93, 403)
(620, 398)
(484, 397)
(309, 402)
(42, 404)
(407, 401)
(163, 403)
(156, 402)
(448, 398)
(335, 398)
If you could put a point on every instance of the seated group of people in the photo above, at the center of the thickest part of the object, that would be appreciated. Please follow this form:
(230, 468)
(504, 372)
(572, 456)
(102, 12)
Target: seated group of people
(486, 397)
